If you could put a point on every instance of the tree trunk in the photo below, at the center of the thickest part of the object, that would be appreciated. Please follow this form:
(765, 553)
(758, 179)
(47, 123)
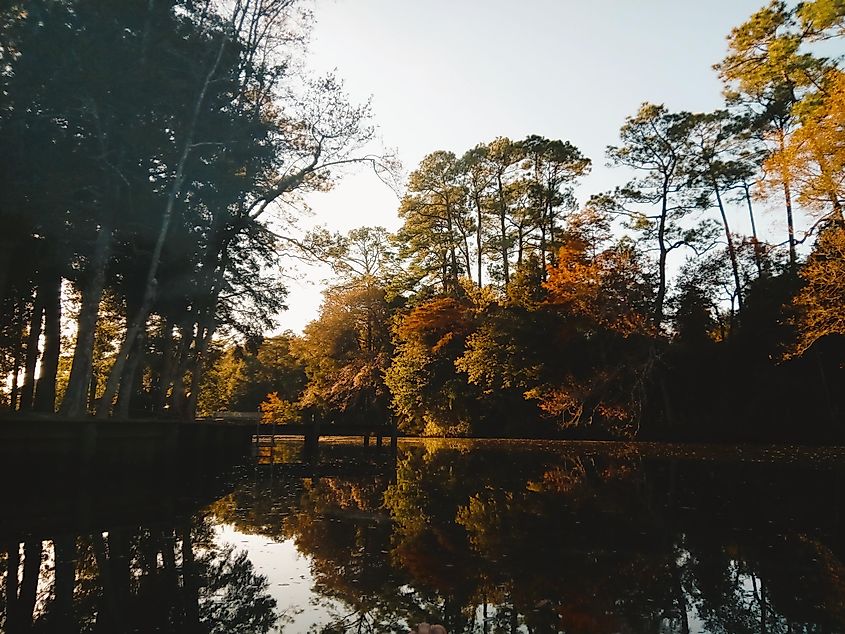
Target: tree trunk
(758, 259)
(793, 258)
(65, 555)
(552, 250)
(661, 263)
(108, 616)
(93, 386)
(731, 250)
(189, 581)
(45, 388)
(179, 399)
(129, 383)
(503, 230)
(74, 401)
(165, 377)
(16, 370)
(453, 259)
(478, 237)
(29, 583)
(543, 249)
(787, 196)
(31, 359)
(196, 376)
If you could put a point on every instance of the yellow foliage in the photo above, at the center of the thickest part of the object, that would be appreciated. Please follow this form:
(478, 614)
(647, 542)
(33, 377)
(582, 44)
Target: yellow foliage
(822, 300)
(812, 159)
(278, 410)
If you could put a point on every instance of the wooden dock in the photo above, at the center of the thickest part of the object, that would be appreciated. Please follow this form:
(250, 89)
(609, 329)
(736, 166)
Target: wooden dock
(42, 440)
(265, 432)
(51, 440)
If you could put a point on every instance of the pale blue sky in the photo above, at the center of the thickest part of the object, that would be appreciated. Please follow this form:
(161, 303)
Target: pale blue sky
(449, 74)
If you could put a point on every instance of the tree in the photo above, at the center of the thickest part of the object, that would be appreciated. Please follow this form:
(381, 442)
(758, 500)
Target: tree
(436, 225)
(656, 143)
(768, 70)
(505, 158)
(715, 168)
(346, 352)
(429, 394)
(480, 176)
(169, 132)
(814, 155)
(554, 167)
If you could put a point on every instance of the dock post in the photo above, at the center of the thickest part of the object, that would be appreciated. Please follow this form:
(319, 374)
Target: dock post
(378, 439)
(312, 436)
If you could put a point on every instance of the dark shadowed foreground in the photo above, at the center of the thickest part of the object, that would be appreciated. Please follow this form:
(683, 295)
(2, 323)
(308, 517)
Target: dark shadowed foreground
(509, 537)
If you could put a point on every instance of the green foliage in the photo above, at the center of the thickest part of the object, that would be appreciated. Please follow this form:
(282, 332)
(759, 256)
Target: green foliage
(239, 380)
(347, 349)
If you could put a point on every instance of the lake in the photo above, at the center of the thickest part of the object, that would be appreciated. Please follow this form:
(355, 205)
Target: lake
(482, 536)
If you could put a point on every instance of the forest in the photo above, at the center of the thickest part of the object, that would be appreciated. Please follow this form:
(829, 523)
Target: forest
(157, 155)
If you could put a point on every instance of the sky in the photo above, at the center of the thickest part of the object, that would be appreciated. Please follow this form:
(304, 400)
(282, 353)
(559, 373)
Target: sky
(449, 74)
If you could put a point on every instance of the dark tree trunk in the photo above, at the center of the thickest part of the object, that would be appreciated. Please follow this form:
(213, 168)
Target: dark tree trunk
(787, 197)
(162, 381)
(74, 402)
(205, 331)
(661, 266)
(758, 258)
(453, 259)
(108, 616)
(29, 583)
(31, 358)
(543, 249)
(179, 396)
(16, 370)
(93, 386)
(45, 388)
(790, 224)
(130, 383)
(731, 250)
(189, 581)
(503, 230)
(478, 244)
(65, 552)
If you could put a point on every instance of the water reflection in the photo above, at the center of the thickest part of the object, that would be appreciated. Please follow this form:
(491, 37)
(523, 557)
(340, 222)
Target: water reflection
(487, 538)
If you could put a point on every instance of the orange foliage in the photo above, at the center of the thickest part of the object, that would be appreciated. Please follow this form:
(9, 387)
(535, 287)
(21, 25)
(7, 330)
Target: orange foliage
(436, 323)
(605, 290)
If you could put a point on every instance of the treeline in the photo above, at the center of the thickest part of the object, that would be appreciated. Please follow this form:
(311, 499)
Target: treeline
(153, 148)
(149, 150)
(503, 307)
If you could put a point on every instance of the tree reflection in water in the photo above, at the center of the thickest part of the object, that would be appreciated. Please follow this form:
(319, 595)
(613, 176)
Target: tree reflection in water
(485, 537)
(583, 540)
(166, 579)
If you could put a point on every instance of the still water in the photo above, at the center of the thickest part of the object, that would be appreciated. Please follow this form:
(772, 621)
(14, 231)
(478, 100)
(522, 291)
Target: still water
(481, 536)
